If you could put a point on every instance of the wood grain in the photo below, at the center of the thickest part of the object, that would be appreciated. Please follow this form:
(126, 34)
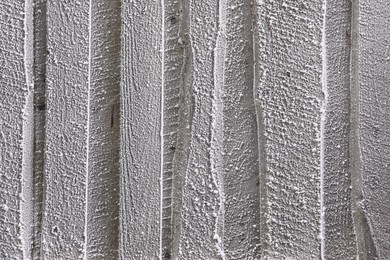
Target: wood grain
(141, 91)
(289, 92)
(67, 131)
(194, 129)
(15, 134)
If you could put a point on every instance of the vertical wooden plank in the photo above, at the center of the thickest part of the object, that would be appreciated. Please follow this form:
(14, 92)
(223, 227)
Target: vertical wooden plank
(174, 73)
(103, 171)
(201, 225)
(15, 130)
(67, 131)
(141, 91)
(371, 127)
(289, 89)
(339, 237)
(241, 167)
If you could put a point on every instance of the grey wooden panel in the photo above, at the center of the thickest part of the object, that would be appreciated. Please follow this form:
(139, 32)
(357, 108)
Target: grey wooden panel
(289, 93)
(104, 106)
(338, 230)
(201, 224)
(173, 130)
(240, 139)
(67, 130)
(194, 129)
(141, 92)
(15, 130)
(371, 127)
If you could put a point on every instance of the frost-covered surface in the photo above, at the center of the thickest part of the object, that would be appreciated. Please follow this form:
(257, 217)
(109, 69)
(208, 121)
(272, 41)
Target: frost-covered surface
(338, 234)
(372, 132)
(67, 132)
(13, 97)
(104, 136)
(141, 86)
(194, 129)
(289, 90)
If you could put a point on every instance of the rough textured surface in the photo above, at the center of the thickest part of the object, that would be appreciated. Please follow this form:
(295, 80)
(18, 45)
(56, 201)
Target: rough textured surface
(104, 106)
(67, 130)
(372, 108)
(202, 202)
(14, 94)
(174, 73)
(240, 139)
(289, 93)
(141, 92)
(194, 129)
(40, 52)
(338, 233)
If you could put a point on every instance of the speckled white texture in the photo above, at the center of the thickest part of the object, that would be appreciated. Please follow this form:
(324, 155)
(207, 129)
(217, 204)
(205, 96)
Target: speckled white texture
(14, 115)
(194, 129)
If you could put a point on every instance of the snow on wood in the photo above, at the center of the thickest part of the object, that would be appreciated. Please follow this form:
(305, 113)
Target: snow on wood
(141, 91)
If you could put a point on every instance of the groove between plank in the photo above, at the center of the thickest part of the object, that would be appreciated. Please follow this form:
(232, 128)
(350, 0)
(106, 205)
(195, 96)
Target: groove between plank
(40, 50)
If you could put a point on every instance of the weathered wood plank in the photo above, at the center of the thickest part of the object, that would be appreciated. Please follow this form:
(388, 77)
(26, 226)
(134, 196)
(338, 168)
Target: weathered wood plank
(240, 144)
(15, 130)
(289, 90)
(174, 67)
(103, 171)
(338, 231)
(141, 91)
(67, 130)
(371, 129)
(201, 225)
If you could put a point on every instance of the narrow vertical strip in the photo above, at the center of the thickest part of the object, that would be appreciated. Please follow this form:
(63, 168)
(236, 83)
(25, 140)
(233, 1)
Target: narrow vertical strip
(217, 125)
(87, 129)
(140, 178)
(337, 236)
(260, 131)
(177, 115)
(354, 147)
(200, 210)
(240, 136)
(370, 131)
(15, 125)
(162, 3)
(322, 133)
(104, 132)
(63, 227)
(289, 90)
(40, 52)
(26, 204)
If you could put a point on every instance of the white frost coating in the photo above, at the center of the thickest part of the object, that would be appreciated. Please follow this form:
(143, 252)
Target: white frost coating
(88, 123)
(217, 107)
(27, 145)
(162, 123)
(323, 121)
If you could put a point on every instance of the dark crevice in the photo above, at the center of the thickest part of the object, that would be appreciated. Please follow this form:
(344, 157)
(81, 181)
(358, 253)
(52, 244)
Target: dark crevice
(40, 52)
